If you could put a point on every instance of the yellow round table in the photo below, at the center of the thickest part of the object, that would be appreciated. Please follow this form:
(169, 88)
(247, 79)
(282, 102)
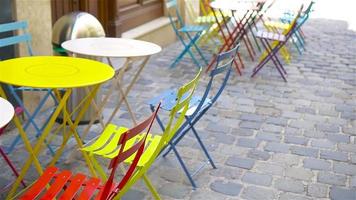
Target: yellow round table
(54, 72)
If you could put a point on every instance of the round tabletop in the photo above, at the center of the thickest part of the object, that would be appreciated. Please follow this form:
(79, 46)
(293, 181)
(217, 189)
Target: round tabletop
(111, 47)
(54, 72)
(7, 112)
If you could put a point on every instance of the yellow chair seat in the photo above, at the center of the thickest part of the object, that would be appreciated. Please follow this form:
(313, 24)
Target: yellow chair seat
(106, 144)
(276, 24)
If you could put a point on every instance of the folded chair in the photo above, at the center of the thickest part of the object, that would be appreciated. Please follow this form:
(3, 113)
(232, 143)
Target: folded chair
(207, 18)
(18, 111)
(105, 144)
(63, 184)
(191, 32)
(298, 35)
(198, 107)
(278, 42)
(24, 38)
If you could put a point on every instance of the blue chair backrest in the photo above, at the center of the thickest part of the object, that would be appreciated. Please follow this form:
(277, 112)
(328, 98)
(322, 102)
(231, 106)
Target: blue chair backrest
(224, 64)
(172, 5)
(23, 37)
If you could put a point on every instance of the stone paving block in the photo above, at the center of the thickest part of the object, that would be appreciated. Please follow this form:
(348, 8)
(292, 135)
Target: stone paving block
(268, 168)
(248, 142)
(353, 158)
(258, 155)
(325, 127)
(317, 164)
(305, 151)
(257, 179)
(322, 143)
(344, 168)
(277, 147)
(334, 155)
(317, 190)
(250, 125)
(295, 140)
(242, 132)
(353, 182)
(289, 185)
(174, 190)
(331, 178)
(277, 121)
(251, 117)
(314, 134)
(134, 194)
(290, 196)
(286, 160)
(246, 109)
(338, 138)
(302, 124)
(337, 193)
(215, 127)
(272, 128)
(258, 193)
(347, 147)
(236, 161)
(268, 136)
(227, 188)
(299, 173)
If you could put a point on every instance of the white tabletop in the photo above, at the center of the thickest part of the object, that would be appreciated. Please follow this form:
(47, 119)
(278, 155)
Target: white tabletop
(111, 47)
(234, 5)
(6, 112)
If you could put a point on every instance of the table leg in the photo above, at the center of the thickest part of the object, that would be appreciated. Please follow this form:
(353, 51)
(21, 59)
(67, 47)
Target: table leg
(128, 88)
(99, 110)
(39, 143)
(74, 125)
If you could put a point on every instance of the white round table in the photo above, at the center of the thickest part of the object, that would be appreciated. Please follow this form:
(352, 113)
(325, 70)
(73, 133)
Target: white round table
(108, 47)
(6, 112)
(111, 47)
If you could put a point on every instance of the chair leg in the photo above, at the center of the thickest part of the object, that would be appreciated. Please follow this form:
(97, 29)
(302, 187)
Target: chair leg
(181, 55)
(151, 187)
(193, 41)
(11, 165)
(201, 144)
(30, 119)
(185, 169)
(275, 60)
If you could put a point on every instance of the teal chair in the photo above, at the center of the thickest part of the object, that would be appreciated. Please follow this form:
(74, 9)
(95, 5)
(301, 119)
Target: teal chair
(24, 38)
(191, 32)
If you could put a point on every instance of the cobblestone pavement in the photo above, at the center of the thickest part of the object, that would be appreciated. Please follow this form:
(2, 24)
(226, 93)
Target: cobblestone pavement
(269, 139)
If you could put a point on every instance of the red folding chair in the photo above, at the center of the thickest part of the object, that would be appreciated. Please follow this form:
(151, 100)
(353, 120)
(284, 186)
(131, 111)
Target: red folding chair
(56, 184)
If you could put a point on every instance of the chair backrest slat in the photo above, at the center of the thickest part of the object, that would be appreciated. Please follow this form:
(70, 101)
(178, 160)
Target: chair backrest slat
(124, 153)
(20, 36)
(223, 64)
(13, 26)
(15, 40)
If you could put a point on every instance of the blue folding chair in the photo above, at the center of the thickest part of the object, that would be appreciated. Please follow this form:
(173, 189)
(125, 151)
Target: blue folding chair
(191, 32)
(24, 37)
(199, 105)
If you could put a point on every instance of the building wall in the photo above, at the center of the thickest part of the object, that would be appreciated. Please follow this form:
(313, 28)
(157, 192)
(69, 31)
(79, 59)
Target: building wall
(38, 15)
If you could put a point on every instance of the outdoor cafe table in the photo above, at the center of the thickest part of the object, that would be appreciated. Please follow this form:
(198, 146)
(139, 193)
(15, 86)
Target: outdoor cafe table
(238, 32)
(61, 75)
(6, 112)
(106, 47)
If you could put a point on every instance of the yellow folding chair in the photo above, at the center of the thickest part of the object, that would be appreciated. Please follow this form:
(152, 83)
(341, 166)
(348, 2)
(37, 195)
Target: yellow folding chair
(105, 145)
(206, 17)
